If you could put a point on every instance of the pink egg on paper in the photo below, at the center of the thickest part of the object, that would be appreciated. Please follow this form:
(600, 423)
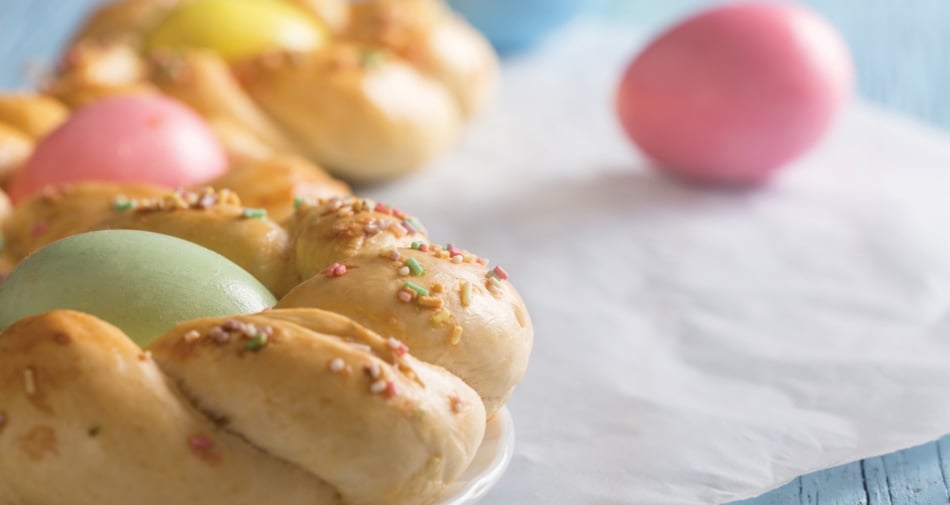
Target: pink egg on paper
(132, 138)
(736, 92)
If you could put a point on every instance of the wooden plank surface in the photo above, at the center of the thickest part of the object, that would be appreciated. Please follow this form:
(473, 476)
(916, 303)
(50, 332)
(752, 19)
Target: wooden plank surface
(916, 476)
(34, 30)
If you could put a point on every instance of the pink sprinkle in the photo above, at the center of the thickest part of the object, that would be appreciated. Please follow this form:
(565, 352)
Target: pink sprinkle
(398, 347)
(398, 213)
(39, 228)
(423, 247)
(200, 443)
(409, 227)
(500, 272)
(382, 209)
(453, 251)
(405, 296)
(390, 389)
(335, 270)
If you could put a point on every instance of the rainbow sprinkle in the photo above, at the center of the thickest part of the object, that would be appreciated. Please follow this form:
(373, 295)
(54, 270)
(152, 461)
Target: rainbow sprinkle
(415, 267)
(254, 213)
(419, 290)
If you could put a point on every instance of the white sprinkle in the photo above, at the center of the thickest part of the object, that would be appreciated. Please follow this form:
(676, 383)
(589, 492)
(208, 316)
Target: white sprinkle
(377, 387)
(250, 330)
(337, 365)
(29, 381)
(374, 371)
(394, 344)
(457, 259)
(404, 271)
(362, 347)
(191, 336)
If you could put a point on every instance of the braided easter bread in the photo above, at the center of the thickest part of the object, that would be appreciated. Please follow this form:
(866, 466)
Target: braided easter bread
(365, 260)
(370, 90)
(283, 407)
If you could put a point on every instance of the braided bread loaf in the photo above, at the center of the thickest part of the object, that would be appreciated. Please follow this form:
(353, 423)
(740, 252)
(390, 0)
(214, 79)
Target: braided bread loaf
(375, 89)
(200, 417)
(365, 260)
(330, 407)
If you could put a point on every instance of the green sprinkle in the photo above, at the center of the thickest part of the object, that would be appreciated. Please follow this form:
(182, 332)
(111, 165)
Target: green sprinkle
(421, 291)
(415, 267)
(94, 431)
(254, 213)
(298, 202)
(416, 245)
(257, 343)
(123, 205)
(419, 415)
(372, 59)
(416, 224)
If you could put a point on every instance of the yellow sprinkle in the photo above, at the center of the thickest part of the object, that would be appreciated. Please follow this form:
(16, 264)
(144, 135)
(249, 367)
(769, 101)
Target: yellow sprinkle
(456, 335)
(437, 288)
(466, 293)
(441, 316)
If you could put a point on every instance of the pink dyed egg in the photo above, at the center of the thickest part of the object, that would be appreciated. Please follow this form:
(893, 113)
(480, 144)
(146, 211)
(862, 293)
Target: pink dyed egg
(734, 93)
(134, 138)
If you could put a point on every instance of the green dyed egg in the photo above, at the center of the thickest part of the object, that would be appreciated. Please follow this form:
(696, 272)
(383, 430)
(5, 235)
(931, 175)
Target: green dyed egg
(237, 29)
(140, 281)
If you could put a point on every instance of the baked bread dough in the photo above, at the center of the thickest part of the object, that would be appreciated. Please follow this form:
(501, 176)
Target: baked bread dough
(204, 416)
(366, 260)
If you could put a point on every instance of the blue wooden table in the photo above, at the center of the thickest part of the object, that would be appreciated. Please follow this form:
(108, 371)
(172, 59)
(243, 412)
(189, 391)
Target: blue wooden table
(901, 50)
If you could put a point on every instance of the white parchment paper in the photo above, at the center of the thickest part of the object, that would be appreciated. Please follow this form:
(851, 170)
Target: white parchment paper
(696, 347)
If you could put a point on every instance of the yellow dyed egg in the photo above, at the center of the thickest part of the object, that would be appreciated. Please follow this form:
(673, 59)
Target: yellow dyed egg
(237, 29)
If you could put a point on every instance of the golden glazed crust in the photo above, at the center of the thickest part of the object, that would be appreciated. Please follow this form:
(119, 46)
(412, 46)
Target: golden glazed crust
(366, 260)
(55, 214)
(457, 315)
(275, 184)
(334, 408)
(211, 413)
(361, 113)
(89, 418)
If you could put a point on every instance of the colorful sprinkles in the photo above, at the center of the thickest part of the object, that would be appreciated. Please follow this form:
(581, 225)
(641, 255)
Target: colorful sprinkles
(257, 342)
(398, 348)
(180, 199)
(256, 337)
(415, 267)
(254, 213)
(417, 289)
(335, 270)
